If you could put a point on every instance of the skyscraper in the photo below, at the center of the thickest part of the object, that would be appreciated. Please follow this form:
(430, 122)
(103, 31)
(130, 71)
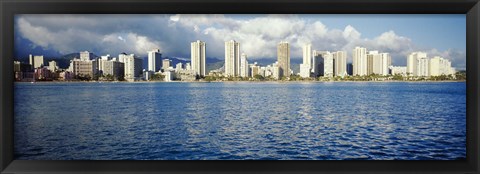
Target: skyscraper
(154, 58)
(133, 66)
(198, 57)
(340, 63)
(36, 61)
(306, 66)
(318, 65)
(423, 67)
(232, 58)
(283, 57)
(359, 61)
(412, 62)
(244, 68)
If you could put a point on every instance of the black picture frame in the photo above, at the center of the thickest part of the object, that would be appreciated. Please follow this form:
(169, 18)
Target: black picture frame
(8, 8)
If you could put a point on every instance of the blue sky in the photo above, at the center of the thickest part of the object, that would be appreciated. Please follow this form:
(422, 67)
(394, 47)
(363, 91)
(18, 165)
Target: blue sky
(442, 34)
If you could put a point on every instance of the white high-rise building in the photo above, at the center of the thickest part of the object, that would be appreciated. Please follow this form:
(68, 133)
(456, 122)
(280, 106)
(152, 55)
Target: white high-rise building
(198, 58)
(340, 63)
(244, 68)
(378, 63)
(232, 58)
(386, 62)
(359, 61)
(328, 64)
(306, 66)
(133, 66)
(439, 66)
(52, 66)
(423, 67)
(283, 58)
(36, 61)
(317, 63)
(412, 62)
(154, 58)
(84, 55)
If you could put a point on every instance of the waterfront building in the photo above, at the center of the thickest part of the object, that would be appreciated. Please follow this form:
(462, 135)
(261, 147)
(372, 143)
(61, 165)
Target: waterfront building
(413, 61)
(169, 75)
(244, 68)
(52, 66)
(440, 66)
(359, 61)
(340, 63)
(83, 68)
(114, 68)
(255, 69)
(166, 64)
(101, 63)
(232, 58)
(324, 62)
(318, 65)
(306, 66)
(398, 70)
(188, 66)
(17, 66)
(198, 57)
(85, 56)
(133, 66)
(36, 61)
(283, 58)
(154, 58)
(423, 67)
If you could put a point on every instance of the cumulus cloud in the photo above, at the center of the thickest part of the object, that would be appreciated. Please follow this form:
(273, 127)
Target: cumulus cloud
(258, 35)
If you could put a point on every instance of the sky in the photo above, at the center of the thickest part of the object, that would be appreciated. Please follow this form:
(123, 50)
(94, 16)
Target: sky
(400, 34)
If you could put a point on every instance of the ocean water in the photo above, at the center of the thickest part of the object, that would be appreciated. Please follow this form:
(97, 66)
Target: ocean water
(244, 120)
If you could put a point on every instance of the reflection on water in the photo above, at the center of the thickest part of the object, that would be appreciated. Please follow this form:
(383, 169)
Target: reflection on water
(317, 121)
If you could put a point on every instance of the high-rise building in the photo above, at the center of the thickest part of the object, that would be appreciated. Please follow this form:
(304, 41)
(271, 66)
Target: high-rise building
(306, 66)
(318, 65)
(84, 68)
(359, 61)
(324, 63)
(52, 66)
(166, 63)
(340, 63)
(84, 55)
(422, 67)
(350, 69)
(244, 68)
(17, 66)
(412, 62)
(198, 57)
(133, 66)
(154, 58)
(114, 68)
(283, 57)
(101, 63)
(439, 66)
(378, 63)
(36, 61)
(232, 58)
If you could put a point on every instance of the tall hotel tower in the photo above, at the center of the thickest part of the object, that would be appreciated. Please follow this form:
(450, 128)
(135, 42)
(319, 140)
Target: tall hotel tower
(154, 58)
(359, 61)
(198, 57)
(340, 63)
(306, 66)
(232, 58)
(283, 56)
(412, 62)
(244, 69)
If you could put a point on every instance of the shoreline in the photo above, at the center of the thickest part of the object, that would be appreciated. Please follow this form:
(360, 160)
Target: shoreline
(349, 81)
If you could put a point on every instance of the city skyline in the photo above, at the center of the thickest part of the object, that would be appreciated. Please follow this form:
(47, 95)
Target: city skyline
(255, 33)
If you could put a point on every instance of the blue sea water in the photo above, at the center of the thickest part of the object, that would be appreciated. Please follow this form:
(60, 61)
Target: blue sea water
(236, 121)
